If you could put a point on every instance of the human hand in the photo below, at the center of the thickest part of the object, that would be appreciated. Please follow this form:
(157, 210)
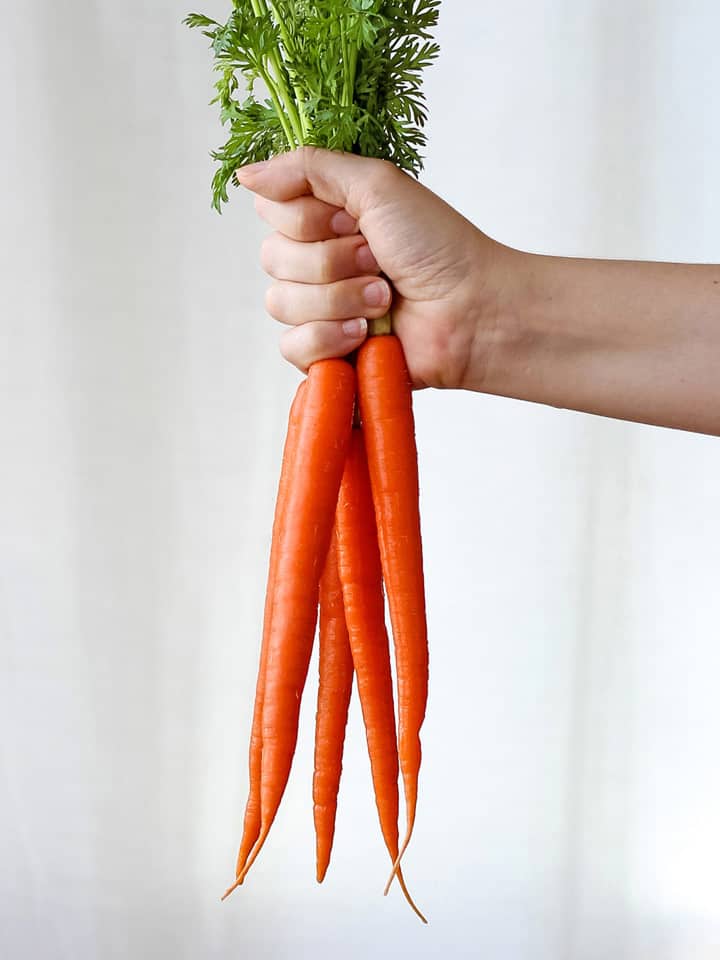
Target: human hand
(340, 220)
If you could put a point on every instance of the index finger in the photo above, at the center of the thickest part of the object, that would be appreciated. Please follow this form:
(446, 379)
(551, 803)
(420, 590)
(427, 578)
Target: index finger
(305, 218)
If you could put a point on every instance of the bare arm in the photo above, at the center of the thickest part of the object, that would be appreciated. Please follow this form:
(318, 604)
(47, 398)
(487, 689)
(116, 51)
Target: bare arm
(633, 340)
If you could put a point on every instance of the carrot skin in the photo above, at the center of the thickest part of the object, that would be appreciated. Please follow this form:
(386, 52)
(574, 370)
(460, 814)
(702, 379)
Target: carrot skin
(251, 824)
(302, 548)
(359, 566)
(333, 700)
(361, 578)
(385, 398)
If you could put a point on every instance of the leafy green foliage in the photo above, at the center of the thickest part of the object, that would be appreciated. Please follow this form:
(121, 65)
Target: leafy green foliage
(341, 74)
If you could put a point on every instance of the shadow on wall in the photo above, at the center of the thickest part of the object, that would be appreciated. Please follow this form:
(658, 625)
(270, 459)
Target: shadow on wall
(620, 220)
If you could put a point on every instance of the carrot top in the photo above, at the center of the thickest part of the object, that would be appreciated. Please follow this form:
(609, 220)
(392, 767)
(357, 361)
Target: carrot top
(341, 74)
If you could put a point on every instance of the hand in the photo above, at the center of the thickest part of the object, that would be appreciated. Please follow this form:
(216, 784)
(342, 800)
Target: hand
(340, 220)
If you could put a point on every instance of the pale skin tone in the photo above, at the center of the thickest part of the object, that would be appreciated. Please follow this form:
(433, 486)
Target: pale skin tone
(632, 340)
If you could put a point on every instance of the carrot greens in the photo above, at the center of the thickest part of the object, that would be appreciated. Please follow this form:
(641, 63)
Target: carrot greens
(340, 74)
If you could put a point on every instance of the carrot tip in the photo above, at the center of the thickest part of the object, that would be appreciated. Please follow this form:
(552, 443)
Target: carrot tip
(230, 889)
(396, 866)
(416, 910)
(386, 891)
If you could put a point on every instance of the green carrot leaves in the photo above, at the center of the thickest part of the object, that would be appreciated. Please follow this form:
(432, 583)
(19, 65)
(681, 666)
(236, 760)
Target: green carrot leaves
(341, 74)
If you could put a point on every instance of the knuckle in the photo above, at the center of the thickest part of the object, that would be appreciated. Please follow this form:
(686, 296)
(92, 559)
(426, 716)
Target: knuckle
(285, 346)
(274, 302)
(293, 350)
(312, 339)
(267, 259)
(300, 219)
(308, 156)
(296, 222)
(380, 182)
(334, 295)
(385, 172)
(326, 269)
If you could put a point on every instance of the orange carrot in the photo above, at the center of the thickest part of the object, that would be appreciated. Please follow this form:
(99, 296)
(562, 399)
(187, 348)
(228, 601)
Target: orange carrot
(385, 398)
(301, 550)
(251, 825)
(361, 577)
(334, 689)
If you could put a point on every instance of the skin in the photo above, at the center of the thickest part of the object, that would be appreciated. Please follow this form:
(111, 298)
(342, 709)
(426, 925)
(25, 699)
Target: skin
(632, 340)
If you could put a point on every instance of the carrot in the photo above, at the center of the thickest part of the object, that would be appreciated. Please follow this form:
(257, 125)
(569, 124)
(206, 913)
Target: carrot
(361, 577)
(302, 546)
(334, 689)
(251, 824)
(386, 412)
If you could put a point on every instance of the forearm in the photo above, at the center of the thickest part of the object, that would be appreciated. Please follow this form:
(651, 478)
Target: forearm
(632, 340)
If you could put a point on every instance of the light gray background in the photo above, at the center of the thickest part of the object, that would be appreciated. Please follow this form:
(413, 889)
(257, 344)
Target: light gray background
(571, 785)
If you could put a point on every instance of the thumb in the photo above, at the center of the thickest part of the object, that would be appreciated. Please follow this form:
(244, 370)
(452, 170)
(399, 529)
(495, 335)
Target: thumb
(341, 179)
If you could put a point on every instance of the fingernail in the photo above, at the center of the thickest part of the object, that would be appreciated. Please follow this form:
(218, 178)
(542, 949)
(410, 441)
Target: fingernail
(376, 293)
(365, 259)
(342, 223)
(355, 328)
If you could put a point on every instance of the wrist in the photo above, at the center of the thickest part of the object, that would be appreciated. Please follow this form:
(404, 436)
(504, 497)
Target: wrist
(504, 319)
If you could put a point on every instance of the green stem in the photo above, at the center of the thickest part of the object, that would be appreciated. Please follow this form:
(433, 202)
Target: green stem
(347, 90)
(289, 47)
(381, 326)
(278, 89)
(282, 116)
(292, 112)
(353, 70)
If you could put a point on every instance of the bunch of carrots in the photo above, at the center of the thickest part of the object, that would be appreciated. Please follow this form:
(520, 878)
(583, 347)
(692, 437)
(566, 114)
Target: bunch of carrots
(346, 521)
(342, 74)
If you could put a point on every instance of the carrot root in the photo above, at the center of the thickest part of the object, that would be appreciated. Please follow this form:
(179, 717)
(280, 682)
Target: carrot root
(406, 892)
(396, 865)
(259, 844)
(385, 402)
(230, 889)
(251, 824)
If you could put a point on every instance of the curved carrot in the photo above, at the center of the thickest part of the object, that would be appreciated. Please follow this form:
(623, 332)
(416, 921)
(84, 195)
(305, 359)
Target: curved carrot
(334, 689)
(386, 411)
(361, 577)
(302, 547)
(251, 823)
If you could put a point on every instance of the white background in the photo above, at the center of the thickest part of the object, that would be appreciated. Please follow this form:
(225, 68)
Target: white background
(571, 785)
